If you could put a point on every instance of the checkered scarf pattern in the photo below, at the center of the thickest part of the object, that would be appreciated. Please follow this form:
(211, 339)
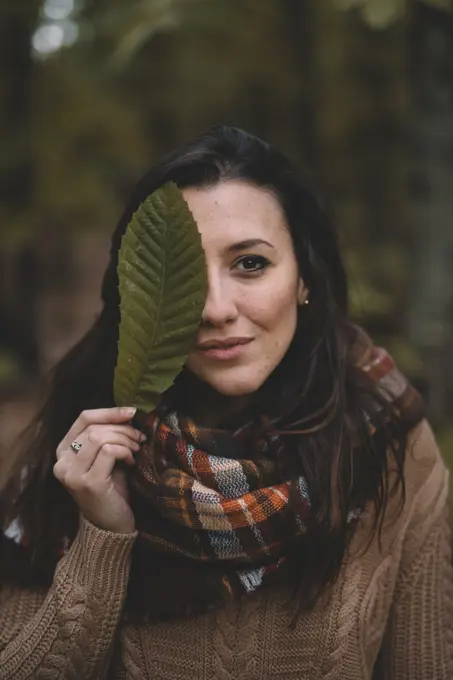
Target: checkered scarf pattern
(212, 504)
(221, 498)
(379, 366)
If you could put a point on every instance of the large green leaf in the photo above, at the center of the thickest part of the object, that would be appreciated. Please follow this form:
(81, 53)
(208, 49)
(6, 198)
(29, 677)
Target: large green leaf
(162, 283)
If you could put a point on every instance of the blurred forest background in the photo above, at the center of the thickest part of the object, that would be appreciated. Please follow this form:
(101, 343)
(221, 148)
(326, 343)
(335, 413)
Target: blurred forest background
(93, 91)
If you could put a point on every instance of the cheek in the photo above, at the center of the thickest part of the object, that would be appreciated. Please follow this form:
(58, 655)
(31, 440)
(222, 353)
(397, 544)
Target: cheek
(274, 310)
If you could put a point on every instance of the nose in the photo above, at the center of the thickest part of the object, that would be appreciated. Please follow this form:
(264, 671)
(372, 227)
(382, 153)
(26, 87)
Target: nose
(220, 306)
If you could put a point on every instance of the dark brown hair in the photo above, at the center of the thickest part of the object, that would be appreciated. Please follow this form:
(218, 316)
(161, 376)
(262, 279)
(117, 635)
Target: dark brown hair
(321, 402)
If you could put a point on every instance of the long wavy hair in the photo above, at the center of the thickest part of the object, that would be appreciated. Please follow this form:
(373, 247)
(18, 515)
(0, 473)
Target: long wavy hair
(321, 403)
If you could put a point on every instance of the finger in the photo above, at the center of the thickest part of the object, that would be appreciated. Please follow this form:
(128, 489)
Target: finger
(65, 470)
(96, 442)
(108, 457)
(62, 467)
(106, 430)
(62, 471)
(103, 434)
(96, 416)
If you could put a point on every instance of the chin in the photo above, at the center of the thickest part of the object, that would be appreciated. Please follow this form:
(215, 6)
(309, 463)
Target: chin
(234, 391)
(235, 382)
(234, 388)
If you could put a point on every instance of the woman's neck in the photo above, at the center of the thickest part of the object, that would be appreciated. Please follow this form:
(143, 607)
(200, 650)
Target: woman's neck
(209, 408)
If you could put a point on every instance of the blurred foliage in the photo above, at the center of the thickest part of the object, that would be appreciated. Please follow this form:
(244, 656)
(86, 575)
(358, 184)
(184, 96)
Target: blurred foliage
(86, 146)
(348, 88)
(381, 13)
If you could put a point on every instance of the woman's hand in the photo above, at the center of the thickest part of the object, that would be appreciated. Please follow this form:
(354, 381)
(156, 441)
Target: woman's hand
(92, 476)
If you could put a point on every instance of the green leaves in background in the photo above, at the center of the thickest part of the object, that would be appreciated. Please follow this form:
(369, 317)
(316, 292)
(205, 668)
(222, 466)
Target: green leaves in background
(382, 13)
(162, 283)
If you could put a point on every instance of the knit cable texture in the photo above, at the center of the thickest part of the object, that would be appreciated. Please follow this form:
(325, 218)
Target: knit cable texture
(69, 636)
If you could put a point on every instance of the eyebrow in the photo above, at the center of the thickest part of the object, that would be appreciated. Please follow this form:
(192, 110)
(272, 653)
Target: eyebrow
(249, 243)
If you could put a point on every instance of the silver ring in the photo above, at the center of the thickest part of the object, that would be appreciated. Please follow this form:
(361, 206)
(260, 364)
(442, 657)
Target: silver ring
(75, 446)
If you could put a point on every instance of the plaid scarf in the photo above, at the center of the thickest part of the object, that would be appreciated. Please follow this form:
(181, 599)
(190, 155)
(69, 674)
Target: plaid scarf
(378, 365)
(210, 503)
(216, 515)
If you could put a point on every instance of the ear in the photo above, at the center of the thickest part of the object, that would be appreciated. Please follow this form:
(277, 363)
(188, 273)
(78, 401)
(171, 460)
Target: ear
(302, 293)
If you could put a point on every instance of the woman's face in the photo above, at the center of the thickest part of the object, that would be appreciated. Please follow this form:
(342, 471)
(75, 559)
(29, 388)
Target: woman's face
(254, 287)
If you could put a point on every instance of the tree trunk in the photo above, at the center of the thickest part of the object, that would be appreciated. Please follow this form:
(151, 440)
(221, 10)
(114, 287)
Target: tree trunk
(18, 292)
(431, 310)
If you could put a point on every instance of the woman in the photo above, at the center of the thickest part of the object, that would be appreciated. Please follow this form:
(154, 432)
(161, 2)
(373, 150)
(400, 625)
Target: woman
(287, 516)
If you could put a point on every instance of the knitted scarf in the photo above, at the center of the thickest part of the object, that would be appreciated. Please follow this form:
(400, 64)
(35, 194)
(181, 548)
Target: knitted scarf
(215, 519)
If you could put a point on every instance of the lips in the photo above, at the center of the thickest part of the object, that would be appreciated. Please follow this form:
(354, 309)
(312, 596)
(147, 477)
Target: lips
(228, 350)
(228, 343)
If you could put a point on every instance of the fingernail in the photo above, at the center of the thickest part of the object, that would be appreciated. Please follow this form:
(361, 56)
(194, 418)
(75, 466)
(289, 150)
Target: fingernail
(129, 411)
(143, 437)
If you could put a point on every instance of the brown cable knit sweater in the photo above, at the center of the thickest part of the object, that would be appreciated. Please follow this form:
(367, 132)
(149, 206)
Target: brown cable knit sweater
(391, 611)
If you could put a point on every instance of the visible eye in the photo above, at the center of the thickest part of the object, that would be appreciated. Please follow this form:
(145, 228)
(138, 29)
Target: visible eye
(251, 264)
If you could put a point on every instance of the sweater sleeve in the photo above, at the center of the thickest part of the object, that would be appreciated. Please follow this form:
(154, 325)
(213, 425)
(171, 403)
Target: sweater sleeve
(419, 638)
(70, 636)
